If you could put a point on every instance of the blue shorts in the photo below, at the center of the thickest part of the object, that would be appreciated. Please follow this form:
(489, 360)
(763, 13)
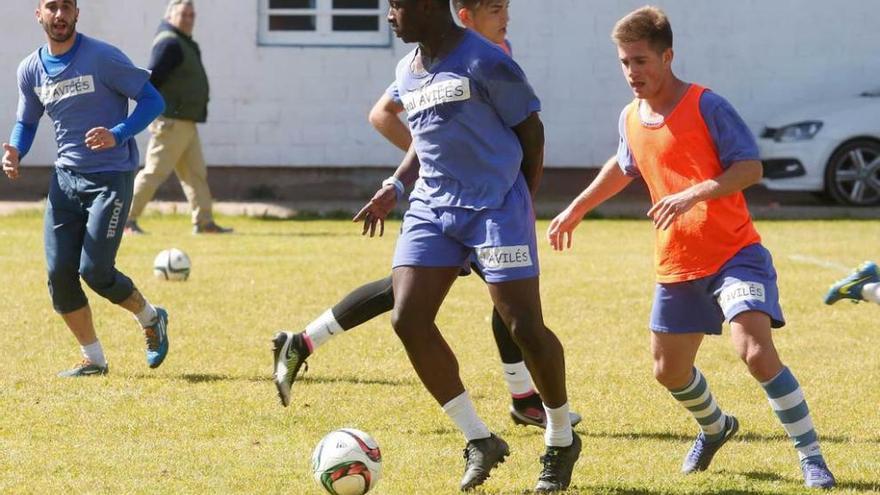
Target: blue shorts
(747, 282)
(502, 241)
(85, 216)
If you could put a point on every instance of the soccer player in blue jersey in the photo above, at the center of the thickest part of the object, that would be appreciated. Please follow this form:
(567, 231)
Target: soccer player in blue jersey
(84, 86)
(478, 149)
(290, 351)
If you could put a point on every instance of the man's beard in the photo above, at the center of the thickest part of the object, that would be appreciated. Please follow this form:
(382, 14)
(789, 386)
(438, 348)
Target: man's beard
(68, 33)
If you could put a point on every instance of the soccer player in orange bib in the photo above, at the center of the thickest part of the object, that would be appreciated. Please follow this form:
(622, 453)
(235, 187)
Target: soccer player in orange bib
(696, 156)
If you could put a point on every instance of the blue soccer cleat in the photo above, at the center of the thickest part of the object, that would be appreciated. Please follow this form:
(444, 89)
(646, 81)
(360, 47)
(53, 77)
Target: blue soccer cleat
(156, 336)
(702, 452)
(851, 286)
(816, 473)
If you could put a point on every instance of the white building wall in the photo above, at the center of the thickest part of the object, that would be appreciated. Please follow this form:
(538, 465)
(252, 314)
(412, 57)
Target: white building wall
(298, 106)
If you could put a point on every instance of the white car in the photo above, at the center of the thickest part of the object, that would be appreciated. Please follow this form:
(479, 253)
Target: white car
(829, 147)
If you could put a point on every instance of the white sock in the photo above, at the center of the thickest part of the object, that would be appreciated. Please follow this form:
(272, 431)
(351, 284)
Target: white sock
(871, 293)
(558, 432)
(147, 316)
(94, 353)
(519, 381)
(323, 329)
(462, 412)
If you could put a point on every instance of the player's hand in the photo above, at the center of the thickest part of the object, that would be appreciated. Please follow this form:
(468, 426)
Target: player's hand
(669, 208)
(10, 161)
(561, 229)
(376, 210)
(100, 138)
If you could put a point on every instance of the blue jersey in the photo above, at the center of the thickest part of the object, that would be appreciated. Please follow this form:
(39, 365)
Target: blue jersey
(92, 91)
(732, 137)
(460, 114)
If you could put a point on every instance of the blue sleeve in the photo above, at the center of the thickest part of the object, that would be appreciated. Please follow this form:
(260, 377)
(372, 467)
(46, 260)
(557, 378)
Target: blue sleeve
(507, 89)
(625, 160)
(393, 93)
(22, 137)
(119, 74)
(30, 108)
(733, 139)
(149, 106)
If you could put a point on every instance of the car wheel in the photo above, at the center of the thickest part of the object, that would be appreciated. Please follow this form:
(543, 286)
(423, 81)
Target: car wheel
(852, 176)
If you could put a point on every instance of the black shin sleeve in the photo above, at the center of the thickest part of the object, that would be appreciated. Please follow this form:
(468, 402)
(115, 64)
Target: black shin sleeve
(364, 303)
(510, 352)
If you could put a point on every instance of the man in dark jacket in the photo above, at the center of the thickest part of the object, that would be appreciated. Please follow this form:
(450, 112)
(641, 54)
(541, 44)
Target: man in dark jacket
(178, 73)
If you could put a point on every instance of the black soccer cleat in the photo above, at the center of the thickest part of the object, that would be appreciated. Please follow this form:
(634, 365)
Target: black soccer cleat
(558, 465)
(529, 411)
(480, 457)
(290, 352)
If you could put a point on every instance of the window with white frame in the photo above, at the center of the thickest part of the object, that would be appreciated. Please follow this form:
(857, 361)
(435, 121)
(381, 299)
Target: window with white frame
(324, 22)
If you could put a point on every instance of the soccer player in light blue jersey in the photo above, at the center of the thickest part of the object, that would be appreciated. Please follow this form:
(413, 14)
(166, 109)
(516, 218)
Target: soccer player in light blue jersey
(84, 86)
(489, 18)
(478, 150)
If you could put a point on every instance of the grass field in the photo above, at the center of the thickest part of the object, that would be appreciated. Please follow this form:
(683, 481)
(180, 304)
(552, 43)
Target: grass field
(208, 420)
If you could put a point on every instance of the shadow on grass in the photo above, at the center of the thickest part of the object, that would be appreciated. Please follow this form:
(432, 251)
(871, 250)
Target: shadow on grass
(620, 490)
(677, 437)
(356, 380)
(196, 378)
(205, 378)
(858, 486)
(354, 233)
(757, 476)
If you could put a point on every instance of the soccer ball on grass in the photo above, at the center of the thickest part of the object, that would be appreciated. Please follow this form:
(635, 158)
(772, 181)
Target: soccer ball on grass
(347, 462)
(172, 264)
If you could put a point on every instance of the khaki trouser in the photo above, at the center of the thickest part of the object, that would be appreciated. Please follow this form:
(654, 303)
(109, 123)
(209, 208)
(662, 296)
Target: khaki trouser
(174, 146)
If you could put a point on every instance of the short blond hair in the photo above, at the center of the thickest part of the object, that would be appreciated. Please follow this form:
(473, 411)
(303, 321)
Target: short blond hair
(649, 24)
(174, 3)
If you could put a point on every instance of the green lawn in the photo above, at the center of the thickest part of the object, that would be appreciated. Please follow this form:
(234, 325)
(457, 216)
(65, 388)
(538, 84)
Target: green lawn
(208, 420)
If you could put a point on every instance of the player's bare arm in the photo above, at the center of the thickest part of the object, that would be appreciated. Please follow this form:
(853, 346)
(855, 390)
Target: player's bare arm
(384, 118)
(737, 177)
(610, 181)
(385, 199)
(10, 161)
(531, 137)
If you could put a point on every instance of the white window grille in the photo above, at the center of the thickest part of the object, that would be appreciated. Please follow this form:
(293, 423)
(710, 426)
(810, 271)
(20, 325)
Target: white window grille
(324, 22)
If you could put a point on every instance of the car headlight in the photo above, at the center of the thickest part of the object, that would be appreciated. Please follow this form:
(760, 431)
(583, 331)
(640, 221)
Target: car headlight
(802, 131)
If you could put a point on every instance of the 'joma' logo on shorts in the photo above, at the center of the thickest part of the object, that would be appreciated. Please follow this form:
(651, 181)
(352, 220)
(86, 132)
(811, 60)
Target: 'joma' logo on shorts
(114, 218)
(504, 257)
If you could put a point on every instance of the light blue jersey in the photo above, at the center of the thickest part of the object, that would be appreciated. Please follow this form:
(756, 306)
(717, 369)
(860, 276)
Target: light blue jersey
(92, 91)
(460, 114)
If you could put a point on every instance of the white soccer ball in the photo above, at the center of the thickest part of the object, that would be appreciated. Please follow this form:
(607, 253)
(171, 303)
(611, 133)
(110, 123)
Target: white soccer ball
(347, 462)
(172, 264)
